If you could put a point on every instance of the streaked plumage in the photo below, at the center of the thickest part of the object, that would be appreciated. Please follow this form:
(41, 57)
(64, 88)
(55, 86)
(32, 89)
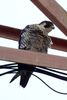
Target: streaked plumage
(35, 38)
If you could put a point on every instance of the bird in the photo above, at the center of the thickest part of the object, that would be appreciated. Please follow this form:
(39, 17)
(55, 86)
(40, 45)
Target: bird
(34, 38)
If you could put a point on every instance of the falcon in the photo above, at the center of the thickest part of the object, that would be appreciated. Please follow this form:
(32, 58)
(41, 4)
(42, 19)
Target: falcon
(34, 38)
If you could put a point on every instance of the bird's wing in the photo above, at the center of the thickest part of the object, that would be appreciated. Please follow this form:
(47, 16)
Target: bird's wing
(24, 41)
(14, 77)
(27, 35)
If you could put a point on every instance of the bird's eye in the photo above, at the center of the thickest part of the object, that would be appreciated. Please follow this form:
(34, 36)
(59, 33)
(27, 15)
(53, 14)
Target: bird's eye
(46, 26)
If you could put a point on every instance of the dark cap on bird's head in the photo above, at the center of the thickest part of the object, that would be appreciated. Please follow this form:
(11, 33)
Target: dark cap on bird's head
(47, 24)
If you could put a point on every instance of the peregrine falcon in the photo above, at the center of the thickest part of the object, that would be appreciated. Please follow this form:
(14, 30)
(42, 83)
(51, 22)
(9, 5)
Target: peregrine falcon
(34, 38)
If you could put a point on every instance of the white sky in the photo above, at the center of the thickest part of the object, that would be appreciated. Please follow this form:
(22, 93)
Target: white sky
(19, 13)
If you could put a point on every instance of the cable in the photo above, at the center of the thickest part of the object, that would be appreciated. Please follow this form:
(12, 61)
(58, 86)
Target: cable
(9, 72)
(45, 70)
(11, 66)
(49, 86)
(53, 70)
(50, 74)
(8, 64)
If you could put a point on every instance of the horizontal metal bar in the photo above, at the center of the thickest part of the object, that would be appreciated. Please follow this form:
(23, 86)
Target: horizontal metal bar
(34, 58)
(14, 33)
(9, 32)
(59, 44)
(54, 12)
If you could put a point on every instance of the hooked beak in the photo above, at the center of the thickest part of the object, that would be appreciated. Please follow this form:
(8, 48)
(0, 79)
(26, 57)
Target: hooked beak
(53, 27)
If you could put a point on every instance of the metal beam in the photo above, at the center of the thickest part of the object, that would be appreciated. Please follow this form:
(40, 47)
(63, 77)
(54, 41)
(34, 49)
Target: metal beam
(33, 58)
(54, 12)
(9, 32)
(14, 33)
(59, 44)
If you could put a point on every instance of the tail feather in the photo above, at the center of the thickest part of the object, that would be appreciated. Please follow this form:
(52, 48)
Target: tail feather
(14, 77)
(25, 73)
(22, 70)
(24, 79)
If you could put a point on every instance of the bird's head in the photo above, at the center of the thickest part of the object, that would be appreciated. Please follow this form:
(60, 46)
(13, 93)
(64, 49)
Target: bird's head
(47, 25)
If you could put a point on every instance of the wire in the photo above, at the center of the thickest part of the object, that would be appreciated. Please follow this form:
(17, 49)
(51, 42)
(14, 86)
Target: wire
(11, 66)
(53, 70)
(8, 64)
(45, 70)
(50, 74)
(49, 86)
(8, 72)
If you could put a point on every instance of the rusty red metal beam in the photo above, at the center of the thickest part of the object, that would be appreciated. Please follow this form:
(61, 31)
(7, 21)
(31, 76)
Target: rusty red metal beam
(34, 58)
(54, 12)
(9, 32)
(59, 44)
(13, 33)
